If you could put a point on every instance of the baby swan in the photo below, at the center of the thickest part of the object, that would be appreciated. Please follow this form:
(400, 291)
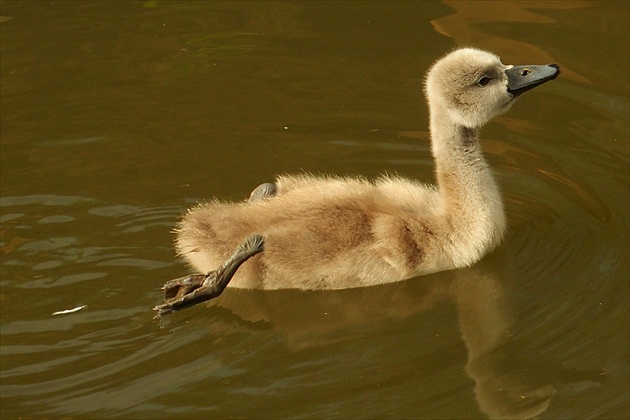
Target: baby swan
(313, 233)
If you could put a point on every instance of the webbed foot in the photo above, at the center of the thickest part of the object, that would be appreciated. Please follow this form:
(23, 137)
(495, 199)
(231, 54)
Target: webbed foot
(176, 288)
(190, 290)
(263, 191)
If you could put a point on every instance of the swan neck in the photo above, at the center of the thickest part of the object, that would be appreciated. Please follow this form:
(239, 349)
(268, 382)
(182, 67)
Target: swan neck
(469, 194)
(455, 147)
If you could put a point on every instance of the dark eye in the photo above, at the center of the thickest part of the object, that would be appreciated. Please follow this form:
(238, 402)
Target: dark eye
(484, 81)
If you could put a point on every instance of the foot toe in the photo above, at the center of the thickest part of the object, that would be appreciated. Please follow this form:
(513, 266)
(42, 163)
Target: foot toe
(263, 191)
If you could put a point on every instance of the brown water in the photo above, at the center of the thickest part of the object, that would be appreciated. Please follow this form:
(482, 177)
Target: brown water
(116, 116)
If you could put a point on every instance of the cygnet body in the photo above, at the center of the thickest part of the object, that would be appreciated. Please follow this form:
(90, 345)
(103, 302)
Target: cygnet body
(326, 232)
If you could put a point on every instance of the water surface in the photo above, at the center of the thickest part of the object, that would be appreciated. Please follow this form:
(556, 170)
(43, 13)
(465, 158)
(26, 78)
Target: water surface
(117, 116)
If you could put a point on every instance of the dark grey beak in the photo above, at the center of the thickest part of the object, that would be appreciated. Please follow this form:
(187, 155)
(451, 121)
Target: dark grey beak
(523, 78)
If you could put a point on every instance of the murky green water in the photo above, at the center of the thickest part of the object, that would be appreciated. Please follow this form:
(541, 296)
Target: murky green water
(116, 116)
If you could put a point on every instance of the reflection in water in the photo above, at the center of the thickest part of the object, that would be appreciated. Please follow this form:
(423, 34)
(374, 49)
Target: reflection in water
(116, 116)
(507, 383)
(465, 26)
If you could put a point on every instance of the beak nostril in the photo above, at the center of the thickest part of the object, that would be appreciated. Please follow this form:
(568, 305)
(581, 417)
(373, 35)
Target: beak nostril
(523, 78)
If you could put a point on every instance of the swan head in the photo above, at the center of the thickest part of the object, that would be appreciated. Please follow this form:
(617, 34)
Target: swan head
(472, 86)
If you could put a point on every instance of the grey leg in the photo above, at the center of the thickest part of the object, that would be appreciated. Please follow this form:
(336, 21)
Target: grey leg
(196, 288)
(263, 191)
